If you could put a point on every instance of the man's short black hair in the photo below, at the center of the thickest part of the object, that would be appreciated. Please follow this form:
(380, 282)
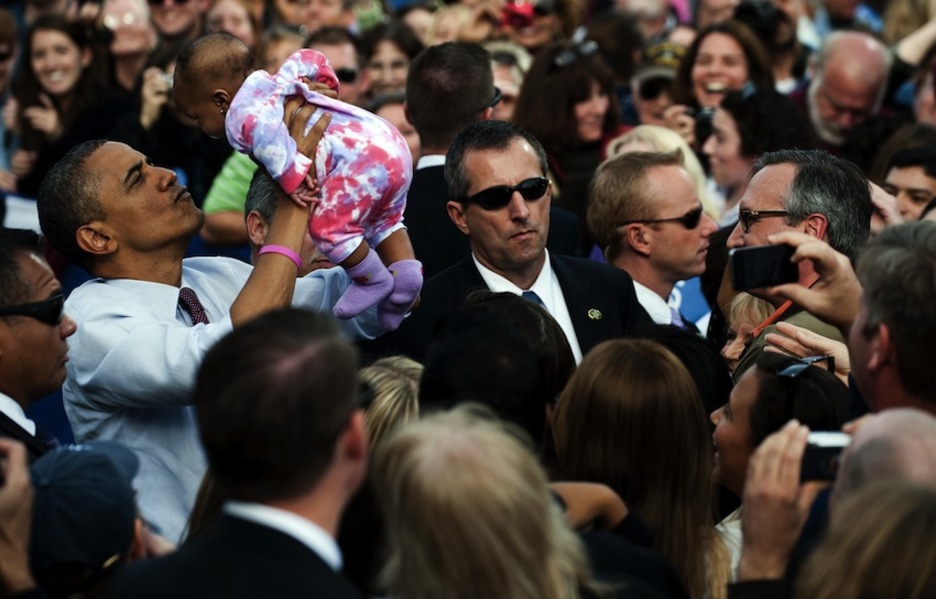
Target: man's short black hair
(13, 244)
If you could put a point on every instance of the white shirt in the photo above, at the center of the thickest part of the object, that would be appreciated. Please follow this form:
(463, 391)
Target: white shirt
(546, 286)
(305, 531)
(15, 412)
(657, 307)
(430, 161)
(133, 361)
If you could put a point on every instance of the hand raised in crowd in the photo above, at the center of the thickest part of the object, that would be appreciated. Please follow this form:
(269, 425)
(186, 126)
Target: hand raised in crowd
(590, 504)
(16, 502)
(799, 342)
(886, 213)
(10, 110)
(22, 162)
(678, 117)
(485, 17)
(835, 297)
(775, 504)
(45, 118)
(153, 95)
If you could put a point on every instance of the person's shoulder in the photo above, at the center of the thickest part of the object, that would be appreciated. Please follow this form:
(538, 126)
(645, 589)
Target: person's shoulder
(585, 267)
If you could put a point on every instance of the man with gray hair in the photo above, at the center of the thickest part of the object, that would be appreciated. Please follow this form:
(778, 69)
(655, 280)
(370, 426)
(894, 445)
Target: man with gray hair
(848, 83)
(807, 191)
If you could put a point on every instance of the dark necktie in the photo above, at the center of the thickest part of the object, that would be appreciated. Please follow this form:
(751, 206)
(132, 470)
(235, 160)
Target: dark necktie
(532, 297)
(189, 302)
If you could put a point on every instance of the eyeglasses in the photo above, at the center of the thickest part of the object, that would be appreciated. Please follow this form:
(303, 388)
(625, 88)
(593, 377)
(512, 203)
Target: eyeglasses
(346, 74)
(747, 218)
(113, 21)
(793, 371)
(690, 220)
(48, 311)
(494, 198)
(495, 100)
(570, 55)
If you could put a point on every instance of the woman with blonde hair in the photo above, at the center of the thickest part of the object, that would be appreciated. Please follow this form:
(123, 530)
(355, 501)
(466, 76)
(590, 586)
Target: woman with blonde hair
(393, 384)
(469, 514)
(880, 544)
(631, 418)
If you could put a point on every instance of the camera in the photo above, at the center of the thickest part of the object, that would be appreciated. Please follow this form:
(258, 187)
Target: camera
(821, 458)
(517, 15)
(703, 124)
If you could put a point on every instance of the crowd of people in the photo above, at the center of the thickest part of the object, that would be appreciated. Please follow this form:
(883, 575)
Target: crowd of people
(407, 299)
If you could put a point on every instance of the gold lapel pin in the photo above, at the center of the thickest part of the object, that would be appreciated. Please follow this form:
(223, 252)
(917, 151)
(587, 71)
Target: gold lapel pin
(595, 314)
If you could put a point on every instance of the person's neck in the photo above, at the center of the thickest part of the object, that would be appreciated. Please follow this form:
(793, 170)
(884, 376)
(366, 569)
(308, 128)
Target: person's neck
(641, 271)
(524, 276)
(163, 266)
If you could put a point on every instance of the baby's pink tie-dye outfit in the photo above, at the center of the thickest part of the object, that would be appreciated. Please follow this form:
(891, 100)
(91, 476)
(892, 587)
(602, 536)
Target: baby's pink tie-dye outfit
(363, 166)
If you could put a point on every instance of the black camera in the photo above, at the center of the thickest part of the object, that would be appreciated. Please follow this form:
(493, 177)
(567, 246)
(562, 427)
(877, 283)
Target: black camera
(822, 455)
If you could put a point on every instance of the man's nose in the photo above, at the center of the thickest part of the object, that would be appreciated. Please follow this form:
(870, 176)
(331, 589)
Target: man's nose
(736, 239)
(518, 207)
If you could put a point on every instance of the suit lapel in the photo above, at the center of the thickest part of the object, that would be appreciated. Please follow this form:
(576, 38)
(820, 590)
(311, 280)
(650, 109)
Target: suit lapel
(10, 429)
(588, 316)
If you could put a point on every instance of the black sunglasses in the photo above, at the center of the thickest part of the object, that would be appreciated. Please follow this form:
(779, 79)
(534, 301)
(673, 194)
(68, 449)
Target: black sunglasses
(570, 55)
(793, 371)
(747, 218)
(48, 311)
(495, 100)
(494, 198)
(346, 74)
(690, 220)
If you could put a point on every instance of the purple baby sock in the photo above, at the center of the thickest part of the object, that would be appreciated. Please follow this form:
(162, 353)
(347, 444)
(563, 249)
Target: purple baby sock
(370, 283)
(407, 283)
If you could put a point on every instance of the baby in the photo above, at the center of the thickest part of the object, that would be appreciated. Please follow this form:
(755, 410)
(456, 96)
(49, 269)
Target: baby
(362, 163)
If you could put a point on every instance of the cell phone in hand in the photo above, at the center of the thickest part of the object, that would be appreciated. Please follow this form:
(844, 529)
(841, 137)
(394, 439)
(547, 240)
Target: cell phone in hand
(822, 455)
(762, 266)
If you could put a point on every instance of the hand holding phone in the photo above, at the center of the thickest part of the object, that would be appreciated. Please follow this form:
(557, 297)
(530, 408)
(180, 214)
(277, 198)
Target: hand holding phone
(822, 456)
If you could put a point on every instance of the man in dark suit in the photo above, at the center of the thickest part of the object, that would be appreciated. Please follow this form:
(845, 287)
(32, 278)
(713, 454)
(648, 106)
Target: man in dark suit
(276, 408)
(448, 87)
(497, 172)
(33, 330)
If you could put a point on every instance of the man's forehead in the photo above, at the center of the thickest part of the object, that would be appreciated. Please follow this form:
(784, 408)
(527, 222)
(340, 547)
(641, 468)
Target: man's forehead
(769, 185)
(36, 272)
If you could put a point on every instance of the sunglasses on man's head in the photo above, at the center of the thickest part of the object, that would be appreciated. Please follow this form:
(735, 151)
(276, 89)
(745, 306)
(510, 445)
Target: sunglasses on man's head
(572, 54)
(346, 74)
(48, 311)
(689, 220)
(494, 198)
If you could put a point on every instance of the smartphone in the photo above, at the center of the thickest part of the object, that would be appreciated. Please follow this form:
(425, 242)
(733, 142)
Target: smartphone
(823, 452)
(762, 266)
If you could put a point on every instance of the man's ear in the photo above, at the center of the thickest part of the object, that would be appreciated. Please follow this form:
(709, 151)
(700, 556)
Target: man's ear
(457, 212)
(94, 238)
(881, 349)
(638, 238)
(817, 225)
(256, 228)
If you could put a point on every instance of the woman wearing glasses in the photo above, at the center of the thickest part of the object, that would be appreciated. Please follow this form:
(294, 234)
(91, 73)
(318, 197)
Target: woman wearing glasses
(765, 398)
(567, 102)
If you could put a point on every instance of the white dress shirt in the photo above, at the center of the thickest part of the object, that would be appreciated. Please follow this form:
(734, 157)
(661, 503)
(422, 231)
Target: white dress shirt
(430, 160)
(657, 307)
(15, 412)
(133, 361)
(546, 286)
(305, 531)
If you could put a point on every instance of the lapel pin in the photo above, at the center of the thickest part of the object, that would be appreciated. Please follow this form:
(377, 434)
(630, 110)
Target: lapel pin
(595, 314)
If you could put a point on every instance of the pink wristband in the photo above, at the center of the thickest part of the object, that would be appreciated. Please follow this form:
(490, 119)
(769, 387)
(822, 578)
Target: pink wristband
(283, 251)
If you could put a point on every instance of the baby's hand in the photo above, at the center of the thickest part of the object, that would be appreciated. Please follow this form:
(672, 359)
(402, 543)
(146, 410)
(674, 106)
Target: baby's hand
(311, 183)
(305, 195)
